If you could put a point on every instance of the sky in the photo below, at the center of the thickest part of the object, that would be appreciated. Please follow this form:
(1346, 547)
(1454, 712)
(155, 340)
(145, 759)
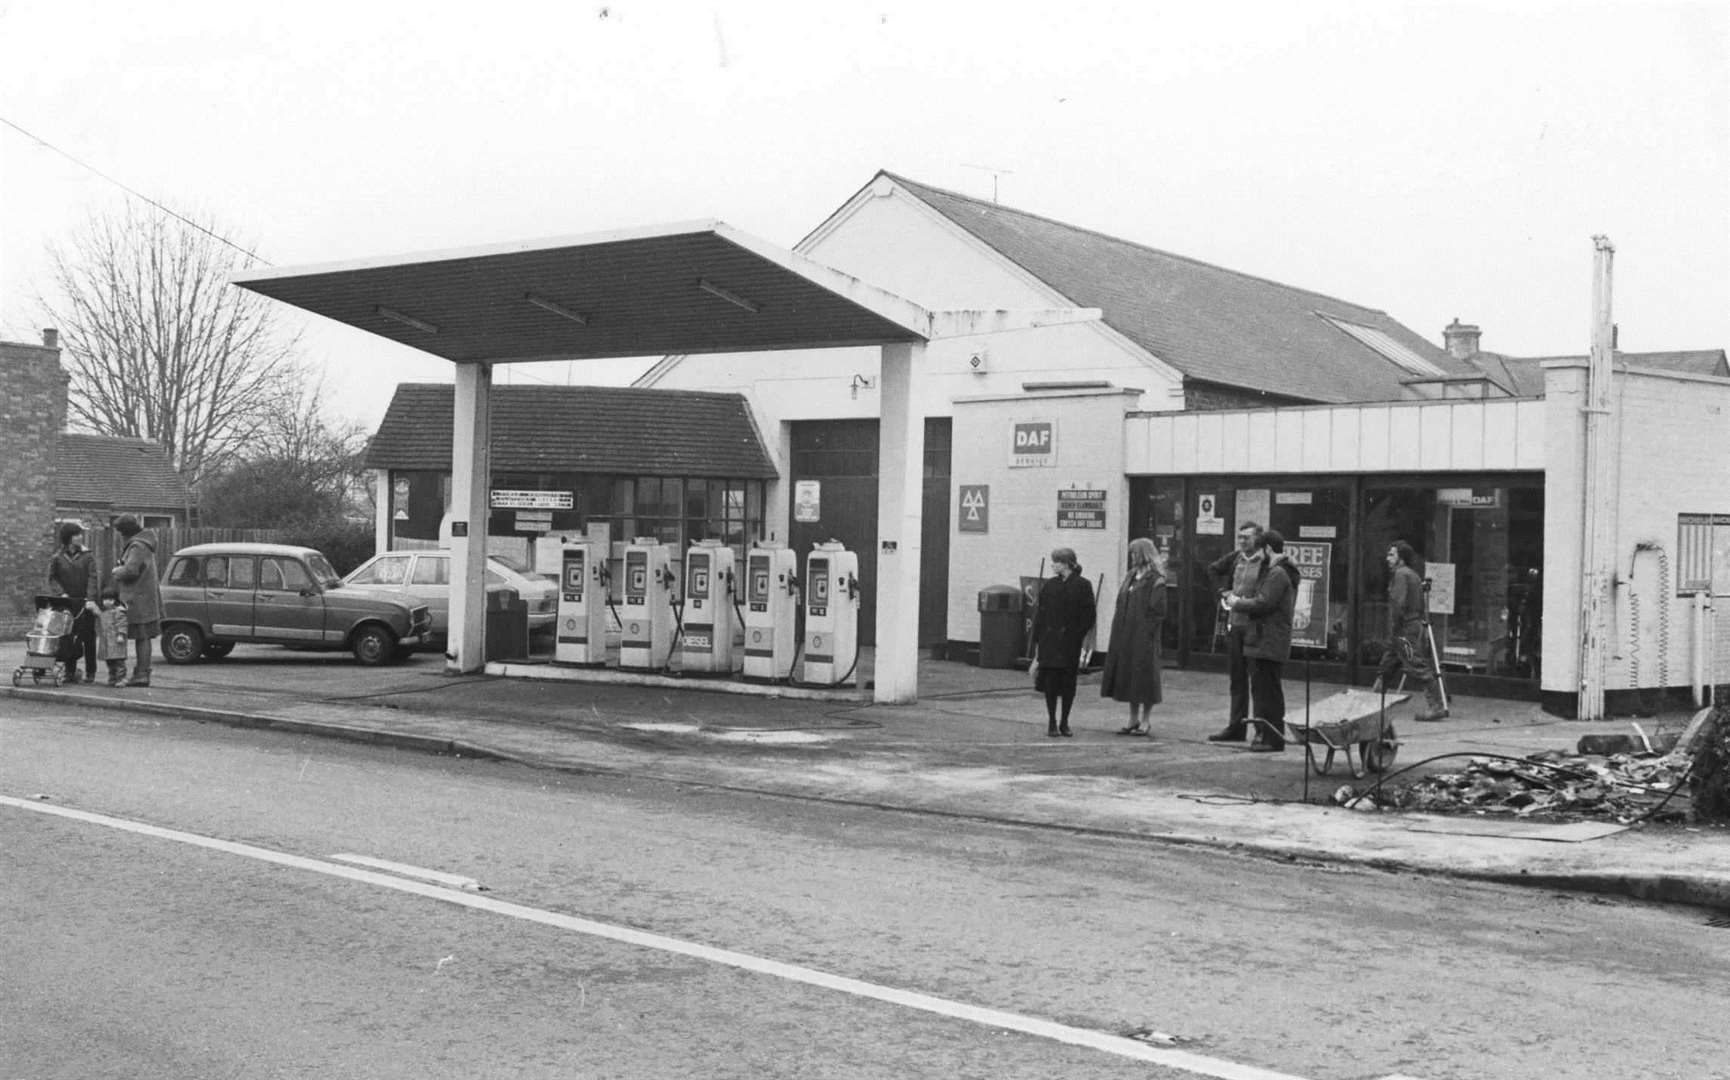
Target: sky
(1434, 160)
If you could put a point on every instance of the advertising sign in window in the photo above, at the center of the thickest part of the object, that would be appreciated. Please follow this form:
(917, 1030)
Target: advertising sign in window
(1309, 621)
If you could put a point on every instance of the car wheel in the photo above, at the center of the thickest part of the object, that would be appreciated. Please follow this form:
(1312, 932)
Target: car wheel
(181, 643)
(216, 650)
(373, 645)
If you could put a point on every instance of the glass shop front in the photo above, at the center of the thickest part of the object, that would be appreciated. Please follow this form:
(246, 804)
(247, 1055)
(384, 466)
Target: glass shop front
(1480, 537)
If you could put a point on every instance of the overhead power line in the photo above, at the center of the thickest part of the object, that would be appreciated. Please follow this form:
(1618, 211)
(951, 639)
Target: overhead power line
(135, 193)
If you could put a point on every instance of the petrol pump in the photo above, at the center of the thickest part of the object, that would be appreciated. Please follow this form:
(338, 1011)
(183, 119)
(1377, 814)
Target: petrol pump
(771, 610)
(646, 616)
(583, 582)
(831, 614)
(710, 620)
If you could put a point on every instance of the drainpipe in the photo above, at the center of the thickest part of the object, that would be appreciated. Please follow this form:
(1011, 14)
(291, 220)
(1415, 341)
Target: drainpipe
(1599, 520)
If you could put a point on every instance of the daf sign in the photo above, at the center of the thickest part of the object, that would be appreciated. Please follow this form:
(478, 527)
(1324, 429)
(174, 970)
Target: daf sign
(1034, 444)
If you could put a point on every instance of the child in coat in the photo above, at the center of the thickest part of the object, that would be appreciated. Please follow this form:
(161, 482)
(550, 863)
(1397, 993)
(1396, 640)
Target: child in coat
(112, 638)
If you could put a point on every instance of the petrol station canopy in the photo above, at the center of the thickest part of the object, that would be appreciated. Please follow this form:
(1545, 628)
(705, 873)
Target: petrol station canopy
(696, 287)
(693, 288)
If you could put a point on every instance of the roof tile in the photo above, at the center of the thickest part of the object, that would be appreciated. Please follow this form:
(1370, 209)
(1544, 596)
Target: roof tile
(107, 470)
(1214, 325)
(592, 429)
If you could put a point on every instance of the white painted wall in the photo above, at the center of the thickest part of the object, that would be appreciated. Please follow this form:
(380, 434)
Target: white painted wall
(1397, 437)
(1673, 458)
(1023, 501)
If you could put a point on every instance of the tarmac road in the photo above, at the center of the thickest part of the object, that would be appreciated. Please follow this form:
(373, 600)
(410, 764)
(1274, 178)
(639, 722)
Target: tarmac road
(150, 956)
(973, 748)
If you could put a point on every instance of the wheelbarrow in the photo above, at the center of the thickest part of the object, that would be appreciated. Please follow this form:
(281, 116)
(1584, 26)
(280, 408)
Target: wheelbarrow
(1349, 720)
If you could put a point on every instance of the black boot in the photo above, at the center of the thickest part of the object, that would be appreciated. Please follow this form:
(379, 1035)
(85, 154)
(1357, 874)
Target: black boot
(1063, 730)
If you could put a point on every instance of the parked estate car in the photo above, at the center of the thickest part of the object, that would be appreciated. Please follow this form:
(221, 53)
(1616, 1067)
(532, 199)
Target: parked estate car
(216, 595)
(425, 577)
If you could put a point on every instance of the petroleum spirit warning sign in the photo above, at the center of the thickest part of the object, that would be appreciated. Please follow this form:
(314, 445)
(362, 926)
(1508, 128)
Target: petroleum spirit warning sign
(1034, 444)
(1081, 508)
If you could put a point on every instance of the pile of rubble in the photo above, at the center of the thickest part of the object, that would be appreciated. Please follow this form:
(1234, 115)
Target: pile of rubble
(1620, 788)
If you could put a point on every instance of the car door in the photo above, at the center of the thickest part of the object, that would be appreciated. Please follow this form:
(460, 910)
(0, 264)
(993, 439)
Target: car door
(287, 607)
(228, 589)
(430, 584)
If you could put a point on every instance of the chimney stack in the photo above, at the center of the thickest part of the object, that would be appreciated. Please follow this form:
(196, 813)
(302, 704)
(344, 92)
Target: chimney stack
(51, 337)
(1461, 339)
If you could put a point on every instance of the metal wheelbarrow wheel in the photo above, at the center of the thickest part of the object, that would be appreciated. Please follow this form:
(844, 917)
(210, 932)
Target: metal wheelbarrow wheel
(18, 677)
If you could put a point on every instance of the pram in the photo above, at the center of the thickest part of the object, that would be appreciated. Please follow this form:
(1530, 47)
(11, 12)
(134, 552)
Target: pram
(46, 638)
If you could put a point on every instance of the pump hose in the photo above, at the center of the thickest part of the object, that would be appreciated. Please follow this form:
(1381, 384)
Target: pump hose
(678, 635)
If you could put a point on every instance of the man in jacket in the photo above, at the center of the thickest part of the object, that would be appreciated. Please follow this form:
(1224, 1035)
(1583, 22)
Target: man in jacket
(1237, 572)
(1267, 638)
(135, 575)
(72, 574)
(1408, 651)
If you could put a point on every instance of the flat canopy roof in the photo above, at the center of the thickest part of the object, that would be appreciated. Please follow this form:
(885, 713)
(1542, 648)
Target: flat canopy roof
(696, 287)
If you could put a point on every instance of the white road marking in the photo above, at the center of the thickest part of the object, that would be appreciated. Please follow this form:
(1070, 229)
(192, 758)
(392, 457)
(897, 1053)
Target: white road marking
(453, 881)
(1183, 1060)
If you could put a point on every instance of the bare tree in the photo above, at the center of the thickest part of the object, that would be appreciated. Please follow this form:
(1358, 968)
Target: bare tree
(160, 346)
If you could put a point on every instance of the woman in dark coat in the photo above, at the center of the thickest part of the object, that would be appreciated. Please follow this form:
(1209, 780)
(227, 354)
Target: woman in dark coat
(1132, 663)
(1062, 619)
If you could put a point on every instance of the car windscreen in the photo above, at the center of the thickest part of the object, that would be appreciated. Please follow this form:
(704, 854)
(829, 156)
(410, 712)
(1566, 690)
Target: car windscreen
(321, 571)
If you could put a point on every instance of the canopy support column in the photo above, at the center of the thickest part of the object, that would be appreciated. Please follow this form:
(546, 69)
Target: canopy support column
(900, 512)
(471, 476)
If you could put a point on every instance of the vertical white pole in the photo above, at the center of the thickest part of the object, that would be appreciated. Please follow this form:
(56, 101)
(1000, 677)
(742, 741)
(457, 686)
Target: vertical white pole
(1598, 555)
(900, 509)
(382, 494)
(471, 475)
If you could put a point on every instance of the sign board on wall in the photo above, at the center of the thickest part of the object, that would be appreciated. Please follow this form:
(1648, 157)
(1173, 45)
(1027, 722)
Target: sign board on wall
(1441, 578)
(503, 499)
(975, 514)
(807, 501)
(1081, 508)
(1309, 621)
(1033, 444)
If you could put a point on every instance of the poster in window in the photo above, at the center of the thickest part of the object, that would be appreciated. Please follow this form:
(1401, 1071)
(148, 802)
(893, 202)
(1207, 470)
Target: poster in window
(808, 501)
(1440, 575)
(1252, 505)
(1309, 621)
(1207, 519)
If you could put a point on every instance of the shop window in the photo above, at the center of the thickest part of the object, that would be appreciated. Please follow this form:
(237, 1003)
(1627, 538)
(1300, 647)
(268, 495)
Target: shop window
(1481, 551)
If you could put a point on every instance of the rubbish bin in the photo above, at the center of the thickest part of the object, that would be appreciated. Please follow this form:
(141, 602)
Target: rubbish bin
(507, 626)
(1001, 635)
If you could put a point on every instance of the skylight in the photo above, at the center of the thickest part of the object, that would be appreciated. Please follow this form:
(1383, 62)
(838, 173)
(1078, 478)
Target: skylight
(1388, 347)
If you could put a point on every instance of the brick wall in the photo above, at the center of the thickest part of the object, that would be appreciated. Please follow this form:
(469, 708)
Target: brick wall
(1208, 397)
(32, 414)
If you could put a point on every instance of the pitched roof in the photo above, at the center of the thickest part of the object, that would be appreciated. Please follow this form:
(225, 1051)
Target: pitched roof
(1214, 325)
(107, 470)
(1525, 374)
(588, 429)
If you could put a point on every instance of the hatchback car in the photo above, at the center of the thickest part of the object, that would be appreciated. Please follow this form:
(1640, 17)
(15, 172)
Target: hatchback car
(424, 577)
(216, 595)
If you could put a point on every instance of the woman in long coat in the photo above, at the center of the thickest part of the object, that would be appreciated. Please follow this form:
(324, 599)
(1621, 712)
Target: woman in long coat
(1062, 619)
(1132, 662)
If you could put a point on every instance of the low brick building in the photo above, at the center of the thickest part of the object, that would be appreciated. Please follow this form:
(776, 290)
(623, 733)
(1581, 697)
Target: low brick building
(49, 475)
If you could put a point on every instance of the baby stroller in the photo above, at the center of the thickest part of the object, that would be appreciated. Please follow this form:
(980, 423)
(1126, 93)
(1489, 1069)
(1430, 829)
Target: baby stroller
(47, 635)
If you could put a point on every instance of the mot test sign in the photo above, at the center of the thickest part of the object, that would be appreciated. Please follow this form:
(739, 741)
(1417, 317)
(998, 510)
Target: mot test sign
(1033, 444)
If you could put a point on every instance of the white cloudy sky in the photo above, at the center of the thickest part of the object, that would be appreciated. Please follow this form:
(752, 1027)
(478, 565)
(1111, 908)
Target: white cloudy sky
(1433, 160)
